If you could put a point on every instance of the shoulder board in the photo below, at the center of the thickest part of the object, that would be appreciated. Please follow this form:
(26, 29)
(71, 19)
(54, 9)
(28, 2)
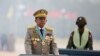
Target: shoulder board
(31, 27)
(49, 28)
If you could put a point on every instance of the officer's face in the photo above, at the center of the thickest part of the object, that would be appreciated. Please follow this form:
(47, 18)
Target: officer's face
(41, 21)
(81, 24)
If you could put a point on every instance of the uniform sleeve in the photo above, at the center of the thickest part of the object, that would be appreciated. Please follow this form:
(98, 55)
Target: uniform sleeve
(54, 47)
(70, 42)
(28, 43)
(90, 41)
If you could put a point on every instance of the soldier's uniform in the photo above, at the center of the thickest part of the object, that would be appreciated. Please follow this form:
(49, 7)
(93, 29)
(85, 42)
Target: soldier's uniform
(81, 39)
(87, 43)
(38, 44)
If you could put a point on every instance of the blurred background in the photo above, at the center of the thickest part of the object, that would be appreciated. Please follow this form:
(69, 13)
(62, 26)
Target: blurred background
(16, 16)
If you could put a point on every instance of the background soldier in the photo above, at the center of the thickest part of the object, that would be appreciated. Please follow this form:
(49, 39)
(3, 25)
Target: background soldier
(3, 42)
(81, 38)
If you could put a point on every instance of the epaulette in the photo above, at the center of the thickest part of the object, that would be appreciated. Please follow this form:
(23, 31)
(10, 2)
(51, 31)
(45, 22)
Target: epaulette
(49, 28)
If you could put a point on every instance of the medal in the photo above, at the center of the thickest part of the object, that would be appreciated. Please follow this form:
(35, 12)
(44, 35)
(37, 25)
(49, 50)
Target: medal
(47, 37)
(37, 39)
(43, 43)
(33, 38)
(51, 38)
(34, 42)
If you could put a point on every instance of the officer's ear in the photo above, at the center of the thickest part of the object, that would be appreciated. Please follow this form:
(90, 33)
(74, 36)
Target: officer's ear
(35, 19)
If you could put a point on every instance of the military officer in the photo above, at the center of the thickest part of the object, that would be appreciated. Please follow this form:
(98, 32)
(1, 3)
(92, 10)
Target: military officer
(39, 39)
(81, 38)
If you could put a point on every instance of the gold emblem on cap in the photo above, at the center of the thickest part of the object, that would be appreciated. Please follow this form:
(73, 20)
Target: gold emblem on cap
(41, 12)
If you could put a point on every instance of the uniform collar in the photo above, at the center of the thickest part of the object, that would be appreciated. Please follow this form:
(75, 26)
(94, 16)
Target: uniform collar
(41, 28)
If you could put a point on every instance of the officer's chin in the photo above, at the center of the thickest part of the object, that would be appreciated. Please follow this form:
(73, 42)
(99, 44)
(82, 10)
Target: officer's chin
(42, 25)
